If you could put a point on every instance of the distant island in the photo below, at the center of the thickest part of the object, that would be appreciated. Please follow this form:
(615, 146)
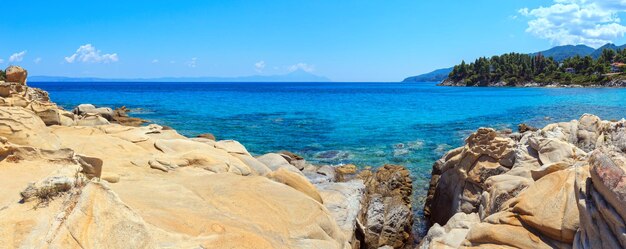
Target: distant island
(295, 76)
(558, 54)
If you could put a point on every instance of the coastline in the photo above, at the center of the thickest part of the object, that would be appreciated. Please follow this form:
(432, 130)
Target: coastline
(610, 84)
(72, 173)
(105, 169)
(560, 186)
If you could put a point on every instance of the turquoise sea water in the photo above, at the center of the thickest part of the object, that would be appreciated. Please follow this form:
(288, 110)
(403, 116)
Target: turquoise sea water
(334, 123)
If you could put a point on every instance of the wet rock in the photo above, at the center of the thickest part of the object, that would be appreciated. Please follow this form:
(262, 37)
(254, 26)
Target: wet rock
(120, 116)
(522, 128)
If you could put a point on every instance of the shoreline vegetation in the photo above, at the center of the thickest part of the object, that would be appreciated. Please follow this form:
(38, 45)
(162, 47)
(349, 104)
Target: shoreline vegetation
(524, 70)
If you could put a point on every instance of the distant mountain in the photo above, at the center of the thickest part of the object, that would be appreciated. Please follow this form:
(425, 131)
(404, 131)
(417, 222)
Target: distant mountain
(296, 76)
(596, 54)
(434, 76)
(561, 53)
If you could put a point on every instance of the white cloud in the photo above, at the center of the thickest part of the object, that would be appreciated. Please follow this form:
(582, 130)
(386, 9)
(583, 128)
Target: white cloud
(302, 66)
(259, 66)
(37, 60)
(590, 22)
(89, 54)
(17, 57)
(155, 61)
(193, 62)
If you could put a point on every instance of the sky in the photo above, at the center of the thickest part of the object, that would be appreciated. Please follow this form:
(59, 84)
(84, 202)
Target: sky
(347, 40)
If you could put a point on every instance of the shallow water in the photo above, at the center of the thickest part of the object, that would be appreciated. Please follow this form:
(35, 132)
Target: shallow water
(411, 124)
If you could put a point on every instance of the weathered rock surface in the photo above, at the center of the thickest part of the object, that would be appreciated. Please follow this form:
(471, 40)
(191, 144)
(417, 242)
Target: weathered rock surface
(557, 187)
(79, 180)
(387, 217)
(16, 74)
(602, 202)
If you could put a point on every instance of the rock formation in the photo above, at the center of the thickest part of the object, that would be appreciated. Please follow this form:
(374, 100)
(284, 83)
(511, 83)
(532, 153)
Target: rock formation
(95, 178)
(557, 187)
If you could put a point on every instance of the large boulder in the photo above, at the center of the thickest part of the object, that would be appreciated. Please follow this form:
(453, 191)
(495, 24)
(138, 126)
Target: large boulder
(551, 193)
(89, 109)
(459, 178)
(48, 112)
(23, 127)
(92, 120)
(387, 215)
(602, 202)
(344, 201)
(16, 74)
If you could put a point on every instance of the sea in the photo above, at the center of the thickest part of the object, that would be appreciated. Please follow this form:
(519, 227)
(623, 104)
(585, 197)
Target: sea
(366, 124)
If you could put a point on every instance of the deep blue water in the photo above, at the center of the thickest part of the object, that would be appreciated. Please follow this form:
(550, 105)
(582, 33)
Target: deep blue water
(411, 124)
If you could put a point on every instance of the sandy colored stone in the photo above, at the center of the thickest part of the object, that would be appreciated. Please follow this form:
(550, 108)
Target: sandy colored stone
(296, 181)
(23, 127)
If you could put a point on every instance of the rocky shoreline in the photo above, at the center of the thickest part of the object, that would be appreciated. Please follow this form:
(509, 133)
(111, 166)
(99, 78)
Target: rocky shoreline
(619, 83)
(94, 177)
(562, 186)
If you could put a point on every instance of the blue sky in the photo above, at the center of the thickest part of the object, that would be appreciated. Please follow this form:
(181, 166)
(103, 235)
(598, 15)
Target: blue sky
(348, 40)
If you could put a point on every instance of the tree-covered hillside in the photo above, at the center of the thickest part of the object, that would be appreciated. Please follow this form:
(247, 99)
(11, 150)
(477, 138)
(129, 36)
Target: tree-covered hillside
(514, 69)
